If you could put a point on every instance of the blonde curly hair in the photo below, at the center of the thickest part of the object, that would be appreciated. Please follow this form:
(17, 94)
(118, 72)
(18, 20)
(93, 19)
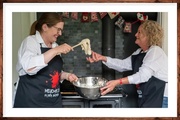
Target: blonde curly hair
(153, 31)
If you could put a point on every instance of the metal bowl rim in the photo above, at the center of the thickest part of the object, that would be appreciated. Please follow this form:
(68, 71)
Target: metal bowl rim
(89, 77)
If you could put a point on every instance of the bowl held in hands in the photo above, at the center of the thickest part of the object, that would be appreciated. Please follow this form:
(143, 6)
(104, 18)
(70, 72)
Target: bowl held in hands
(89, 87)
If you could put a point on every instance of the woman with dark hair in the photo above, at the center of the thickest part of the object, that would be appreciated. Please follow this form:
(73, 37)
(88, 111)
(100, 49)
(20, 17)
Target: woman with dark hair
(149, 64)
(40, 65)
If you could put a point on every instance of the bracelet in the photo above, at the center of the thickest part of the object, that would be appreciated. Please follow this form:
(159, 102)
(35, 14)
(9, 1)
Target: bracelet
(120, 82)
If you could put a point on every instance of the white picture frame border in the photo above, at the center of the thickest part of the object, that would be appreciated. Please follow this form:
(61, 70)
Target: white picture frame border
(9, 8)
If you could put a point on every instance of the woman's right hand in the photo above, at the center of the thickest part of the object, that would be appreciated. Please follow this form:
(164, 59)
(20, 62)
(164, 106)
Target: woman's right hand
(63, 49)
(95, 57)
(110, 85)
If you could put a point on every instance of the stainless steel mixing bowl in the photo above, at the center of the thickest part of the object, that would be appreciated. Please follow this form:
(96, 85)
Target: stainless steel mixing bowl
(89, 87)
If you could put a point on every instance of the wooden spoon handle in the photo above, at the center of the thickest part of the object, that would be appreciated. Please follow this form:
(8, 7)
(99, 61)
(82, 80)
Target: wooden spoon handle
(76, 45)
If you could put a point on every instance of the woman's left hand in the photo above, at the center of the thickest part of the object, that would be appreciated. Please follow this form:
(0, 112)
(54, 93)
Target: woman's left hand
(110, 85)
(95, 57)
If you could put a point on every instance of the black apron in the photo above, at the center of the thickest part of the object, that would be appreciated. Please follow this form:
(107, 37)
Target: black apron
(150, 93)
(43, 89)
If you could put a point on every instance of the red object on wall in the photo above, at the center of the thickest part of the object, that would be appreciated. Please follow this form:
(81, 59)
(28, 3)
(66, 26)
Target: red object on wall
(85, 17)
(74, 15)
(113, 14)
(102, 14)
(141, 16)
(128, 27)
(94, 17)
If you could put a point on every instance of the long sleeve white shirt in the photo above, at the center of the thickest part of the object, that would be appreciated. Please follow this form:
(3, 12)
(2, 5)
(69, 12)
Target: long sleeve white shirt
(155, 63)
(29, 55)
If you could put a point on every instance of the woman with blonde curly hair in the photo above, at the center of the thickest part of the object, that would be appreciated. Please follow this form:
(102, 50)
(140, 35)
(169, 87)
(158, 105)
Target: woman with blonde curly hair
(149, 64)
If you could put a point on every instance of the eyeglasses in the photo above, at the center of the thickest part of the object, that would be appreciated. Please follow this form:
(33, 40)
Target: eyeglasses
(59, 29)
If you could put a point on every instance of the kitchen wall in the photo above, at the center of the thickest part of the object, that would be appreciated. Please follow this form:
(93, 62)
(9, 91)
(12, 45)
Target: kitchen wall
(74, 32)
(75, 61)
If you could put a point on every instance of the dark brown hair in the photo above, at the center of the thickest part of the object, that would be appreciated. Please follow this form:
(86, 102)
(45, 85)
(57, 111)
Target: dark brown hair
(49, 18)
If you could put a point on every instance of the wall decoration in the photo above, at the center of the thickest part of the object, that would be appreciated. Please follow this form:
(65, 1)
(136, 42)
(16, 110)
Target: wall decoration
(120, 22)
(74, 15)
(65, 14)
(102, 14)
(141, 17)
(113, 14)
(127, 27)
(85, 17)
(94, 17)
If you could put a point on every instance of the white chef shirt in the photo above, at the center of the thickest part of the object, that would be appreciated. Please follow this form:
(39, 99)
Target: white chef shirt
(29, 55)
(155, 63)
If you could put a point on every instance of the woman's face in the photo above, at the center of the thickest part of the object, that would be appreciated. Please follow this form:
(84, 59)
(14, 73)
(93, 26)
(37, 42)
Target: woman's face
(141, 38)
(52, 33)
